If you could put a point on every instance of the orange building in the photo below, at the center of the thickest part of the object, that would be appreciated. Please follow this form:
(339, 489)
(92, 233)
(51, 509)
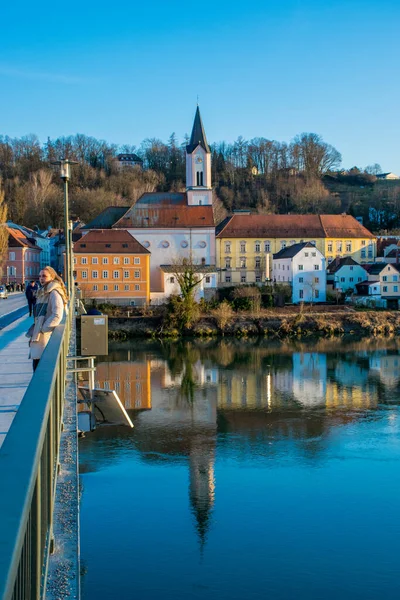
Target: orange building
(131, 381)
(112, 265)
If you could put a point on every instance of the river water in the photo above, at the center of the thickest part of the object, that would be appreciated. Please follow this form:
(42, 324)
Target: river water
(255, 470)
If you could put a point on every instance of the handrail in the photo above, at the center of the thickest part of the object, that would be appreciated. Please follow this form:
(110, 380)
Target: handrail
(28, 461)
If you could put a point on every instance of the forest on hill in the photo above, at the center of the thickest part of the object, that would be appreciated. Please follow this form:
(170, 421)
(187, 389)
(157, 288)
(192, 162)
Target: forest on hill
(262, 175)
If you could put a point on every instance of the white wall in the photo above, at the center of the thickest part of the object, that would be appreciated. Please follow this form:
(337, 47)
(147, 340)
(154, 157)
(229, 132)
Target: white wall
(355, 272)
(176, 249)
(305, 288)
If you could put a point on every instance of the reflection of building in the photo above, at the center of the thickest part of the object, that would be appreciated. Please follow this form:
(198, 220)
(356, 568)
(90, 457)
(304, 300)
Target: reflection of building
(309, 378)
(131, 381)
(388, 367)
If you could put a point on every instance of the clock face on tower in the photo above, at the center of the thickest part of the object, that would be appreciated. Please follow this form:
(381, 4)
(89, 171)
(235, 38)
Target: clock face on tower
(199, 159)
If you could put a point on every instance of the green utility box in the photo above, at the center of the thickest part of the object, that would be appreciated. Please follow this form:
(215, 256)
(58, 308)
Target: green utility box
(94, 335)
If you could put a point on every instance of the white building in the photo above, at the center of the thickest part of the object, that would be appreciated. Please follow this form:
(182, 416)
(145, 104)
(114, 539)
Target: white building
(176, 226)
(343, 274)
(303, 267)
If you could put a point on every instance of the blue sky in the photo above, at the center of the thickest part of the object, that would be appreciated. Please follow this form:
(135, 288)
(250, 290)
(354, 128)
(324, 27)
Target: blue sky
(272, 68)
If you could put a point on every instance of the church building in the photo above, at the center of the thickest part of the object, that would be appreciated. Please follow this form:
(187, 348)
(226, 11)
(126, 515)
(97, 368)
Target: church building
(178, 226)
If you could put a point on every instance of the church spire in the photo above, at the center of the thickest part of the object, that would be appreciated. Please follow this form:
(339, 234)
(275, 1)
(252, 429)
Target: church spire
(198, 136)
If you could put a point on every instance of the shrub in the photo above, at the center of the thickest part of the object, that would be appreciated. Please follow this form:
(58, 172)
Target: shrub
(223, 314)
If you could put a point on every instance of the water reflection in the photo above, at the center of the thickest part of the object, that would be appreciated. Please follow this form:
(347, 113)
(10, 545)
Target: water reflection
(188, 398)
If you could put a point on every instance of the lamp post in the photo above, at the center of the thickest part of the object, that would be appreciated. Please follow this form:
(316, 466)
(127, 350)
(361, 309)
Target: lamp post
(65, 174)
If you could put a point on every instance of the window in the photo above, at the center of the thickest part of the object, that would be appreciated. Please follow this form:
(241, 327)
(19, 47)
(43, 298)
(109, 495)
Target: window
(228, 263)
(385, 288)
(301, 268)
(74, 260)
(136, 261)
(313, 254)
(105, 274)
(316, 279)
(292, 242)
(137, 274)
(95, 288)
(208, 279)
(126, 274)
(283, 244)
(257, 247)
(108, 245)
(267, 246)
(105, 260)
(184, 244)
(126, 287)
(95, 260)
(316, 267)
(116, 260)
(12, 256)
(301, 293)
(172, 279)
(343, 279)
(165, 244)
(330, 247)
(359, 279)
(227, 278)
(84, 260)
(95, 274)
(115, 274)
(124, 245)
(395, 288)
(351, 279)
(84, 274)
(227, 247)
(258, 262)
(116, 287)
(370, 251)
(243, 278)
(363, 242)
(316, 293)
(338, 246)
(363, 253)
(384, 278)
(301, 279)
(126, 260)
(348, 246)
(258, 278)
(137, 287)
(395, 278)
(242, 263)
(306, 254)
(242, 246)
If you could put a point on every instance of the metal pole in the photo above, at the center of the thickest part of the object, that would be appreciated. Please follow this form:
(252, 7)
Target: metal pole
(71, 260)
(67, 267)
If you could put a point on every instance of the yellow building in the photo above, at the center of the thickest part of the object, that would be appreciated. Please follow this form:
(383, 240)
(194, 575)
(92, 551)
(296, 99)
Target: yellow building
(245, 243)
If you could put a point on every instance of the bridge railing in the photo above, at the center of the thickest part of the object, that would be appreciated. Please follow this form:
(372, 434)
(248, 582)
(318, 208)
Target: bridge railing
(28, 473)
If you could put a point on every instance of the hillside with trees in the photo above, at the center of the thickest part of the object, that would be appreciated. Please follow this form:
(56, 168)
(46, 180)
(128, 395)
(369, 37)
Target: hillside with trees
(262, 175)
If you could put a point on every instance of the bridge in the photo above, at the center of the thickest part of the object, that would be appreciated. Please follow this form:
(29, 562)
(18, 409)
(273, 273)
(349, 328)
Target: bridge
(39, 509)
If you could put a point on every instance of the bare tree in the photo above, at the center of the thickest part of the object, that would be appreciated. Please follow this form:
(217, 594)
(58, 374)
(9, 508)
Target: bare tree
(3, 229)
(311, 155)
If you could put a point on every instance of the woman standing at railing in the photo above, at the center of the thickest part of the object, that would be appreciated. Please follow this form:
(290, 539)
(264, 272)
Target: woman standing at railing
(51, 299)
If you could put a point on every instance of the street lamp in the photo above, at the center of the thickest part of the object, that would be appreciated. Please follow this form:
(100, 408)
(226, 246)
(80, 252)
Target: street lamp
(65, 174)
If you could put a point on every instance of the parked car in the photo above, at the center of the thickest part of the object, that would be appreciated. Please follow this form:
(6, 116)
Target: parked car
(3, 292)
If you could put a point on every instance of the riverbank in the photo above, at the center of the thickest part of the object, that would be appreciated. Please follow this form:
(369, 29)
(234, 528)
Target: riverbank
(282, 323)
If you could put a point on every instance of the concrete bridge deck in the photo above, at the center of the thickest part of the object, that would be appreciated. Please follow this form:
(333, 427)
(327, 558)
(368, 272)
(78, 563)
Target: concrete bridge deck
(15, 370)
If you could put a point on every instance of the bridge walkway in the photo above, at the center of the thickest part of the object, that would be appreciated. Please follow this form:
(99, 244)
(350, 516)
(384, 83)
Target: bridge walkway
(15, 371)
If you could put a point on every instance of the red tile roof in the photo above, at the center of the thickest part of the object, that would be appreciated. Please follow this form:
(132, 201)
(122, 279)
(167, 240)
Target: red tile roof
(17, 238)
(172, 216)
(109, 241)
(294, 226)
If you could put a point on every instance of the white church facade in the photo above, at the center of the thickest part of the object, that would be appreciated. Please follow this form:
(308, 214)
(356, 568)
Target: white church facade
(178, 226)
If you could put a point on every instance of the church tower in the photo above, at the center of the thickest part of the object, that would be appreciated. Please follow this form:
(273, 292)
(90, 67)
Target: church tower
(198, 166)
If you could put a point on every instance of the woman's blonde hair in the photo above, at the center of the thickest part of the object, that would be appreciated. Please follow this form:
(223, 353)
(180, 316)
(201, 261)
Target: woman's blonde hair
(56, 277)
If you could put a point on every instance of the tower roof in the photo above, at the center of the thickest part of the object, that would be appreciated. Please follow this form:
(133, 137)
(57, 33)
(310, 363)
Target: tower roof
(198, 136)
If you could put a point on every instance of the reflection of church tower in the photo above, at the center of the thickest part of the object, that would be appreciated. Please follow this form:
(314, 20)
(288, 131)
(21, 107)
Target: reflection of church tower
(198, 166)
(202, 484)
